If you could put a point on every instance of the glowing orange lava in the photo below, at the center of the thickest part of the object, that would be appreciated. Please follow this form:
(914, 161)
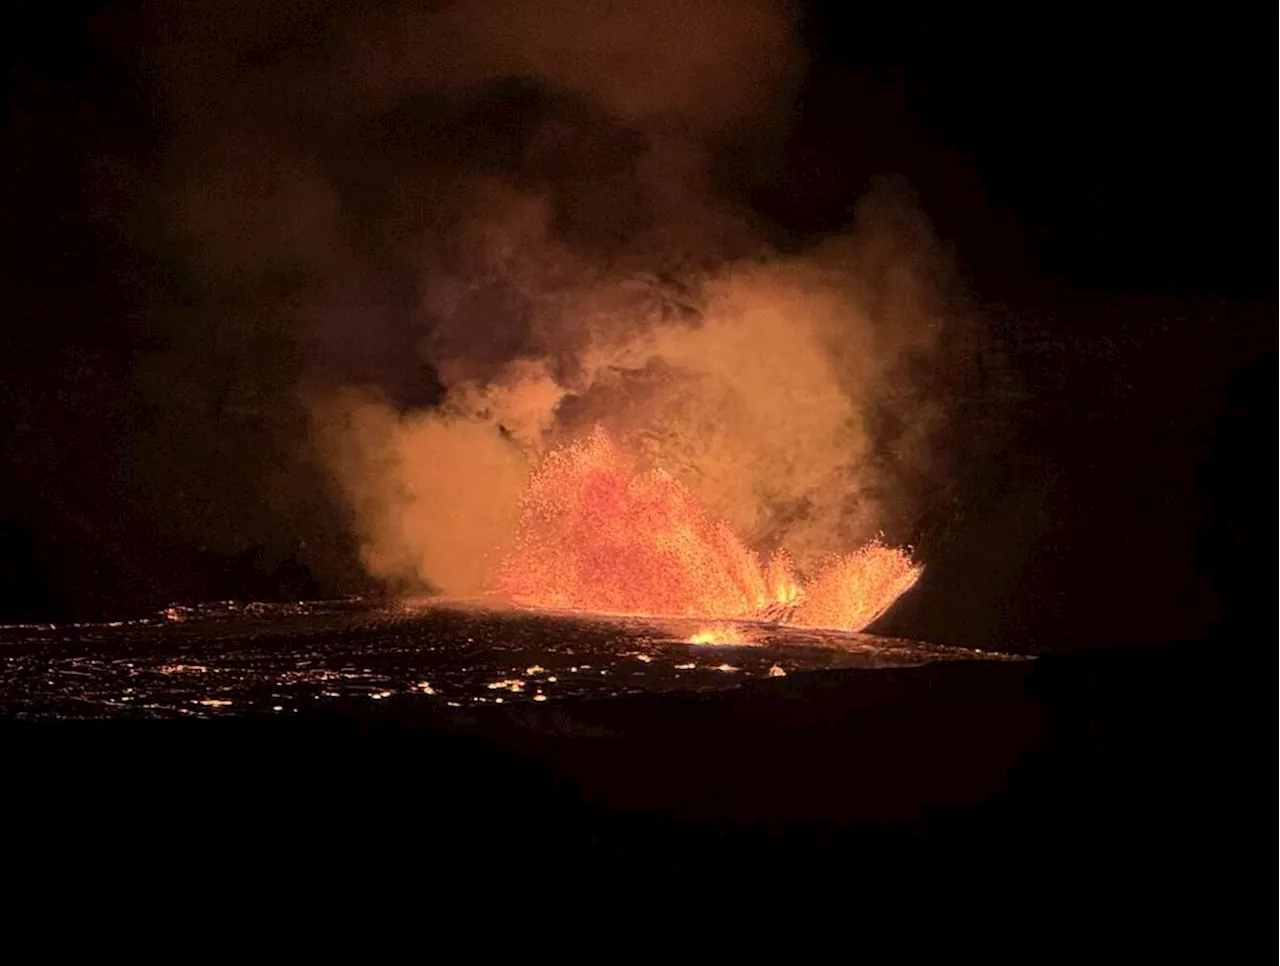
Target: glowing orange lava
(720, 634)
(596, 537)
(853, 590)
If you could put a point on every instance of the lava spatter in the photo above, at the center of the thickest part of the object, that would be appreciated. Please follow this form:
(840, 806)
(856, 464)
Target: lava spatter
(595, 536)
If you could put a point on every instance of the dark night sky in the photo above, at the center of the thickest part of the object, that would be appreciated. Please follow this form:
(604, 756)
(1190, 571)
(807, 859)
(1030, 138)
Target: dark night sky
(1127, 155)
(1079, 168)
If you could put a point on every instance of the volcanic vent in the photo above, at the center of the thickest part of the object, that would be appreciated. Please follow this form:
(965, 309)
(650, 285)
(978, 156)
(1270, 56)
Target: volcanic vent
(595, 537)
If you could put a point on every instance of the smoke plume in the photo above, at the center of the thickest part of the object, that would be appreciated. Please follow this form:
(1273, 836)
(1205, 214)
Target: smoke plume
(487, 228)
(751, 379)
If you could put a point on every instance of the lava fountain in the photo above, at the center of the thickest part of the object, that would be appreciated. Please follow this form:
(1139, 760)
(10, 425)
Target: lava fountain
(594, 536)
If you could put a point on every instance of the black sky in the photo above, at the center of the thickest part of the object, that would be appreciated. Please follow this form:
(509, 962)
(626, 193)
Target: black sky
(1130, 154)
(1110, 160)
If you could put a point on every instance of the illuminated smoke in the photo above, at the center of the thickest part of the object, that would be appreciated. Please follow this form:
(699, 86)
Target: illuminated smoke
(749, 387)
(481, 230)
(706, 65)
(434, 499)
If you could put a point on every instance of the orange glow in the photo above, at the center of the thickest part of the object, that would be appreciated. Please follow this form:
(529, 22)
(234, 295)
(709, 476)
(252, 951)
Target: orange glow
(595, 536)
(851, 591)
(719, 634)
(784, 588)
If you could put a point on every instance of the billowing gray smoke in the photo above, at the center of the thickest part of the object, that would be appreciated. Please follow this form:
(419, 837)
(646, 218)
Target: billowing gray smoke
(480, 229)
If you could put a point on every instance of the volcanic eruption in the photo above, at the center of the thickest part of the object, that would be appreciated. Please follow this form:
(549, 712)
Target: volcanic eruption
(743, 458)
(519, 322)
(596, 537)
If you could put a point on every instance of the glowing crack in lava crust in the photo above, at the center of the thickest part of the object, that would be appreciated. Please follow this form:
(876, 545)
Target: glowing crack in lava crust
(594, 536)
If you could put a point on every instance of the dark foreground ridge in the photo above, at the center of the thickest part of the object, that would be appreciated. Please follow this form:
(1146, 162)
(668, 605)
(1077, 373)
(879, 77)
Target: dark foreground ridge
(1117, 780)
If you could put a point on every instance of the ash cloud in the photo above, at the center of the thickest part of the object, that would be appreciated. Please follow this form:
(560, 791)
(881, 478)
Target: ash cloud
(706, 66)
(482, 229)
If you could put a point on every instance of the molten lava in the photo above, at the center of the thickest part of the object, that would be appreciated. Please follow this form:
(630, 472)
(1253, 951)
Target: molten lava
(719, 634)
(596, 537)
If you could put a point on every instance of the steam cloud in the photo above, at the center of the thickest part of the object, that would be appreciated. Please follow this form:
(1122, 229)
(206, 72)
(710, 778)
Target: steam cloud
(487, 227)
